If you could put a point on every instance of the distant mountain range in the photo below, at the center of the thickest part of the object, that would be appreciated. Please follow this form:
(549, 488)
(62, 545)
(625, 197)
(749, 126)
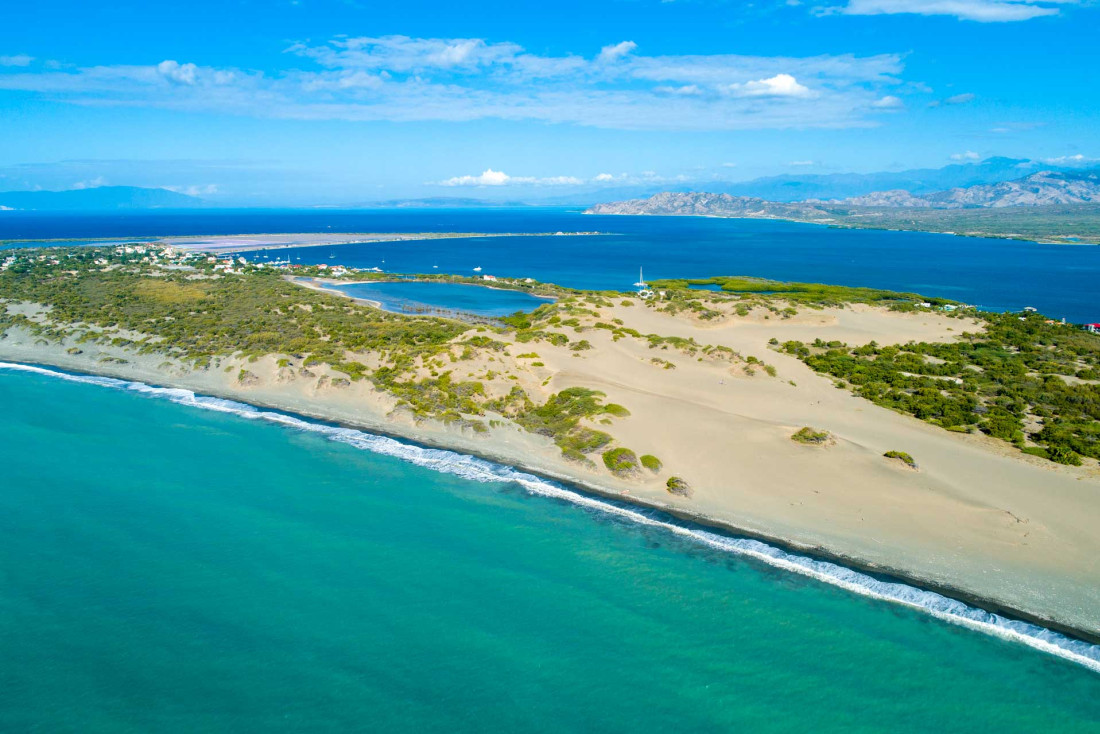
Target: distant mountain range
(1039, 189)
(1045, 206)
(1045, 188)
(916, 181)
(102, 198)
(831, 186)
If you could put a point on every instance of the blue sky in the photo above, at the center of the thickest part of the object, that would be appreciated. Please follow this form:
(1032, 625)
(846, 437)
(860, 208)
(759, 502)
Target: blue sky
(340, 101)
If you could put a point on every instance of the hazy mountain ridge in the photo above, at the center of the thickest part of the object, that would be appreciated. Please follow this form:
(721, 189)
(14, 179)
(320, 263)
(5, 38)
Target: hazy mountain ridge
(1044, 188)
(709, 204)
(1043, 207)
(101, 198)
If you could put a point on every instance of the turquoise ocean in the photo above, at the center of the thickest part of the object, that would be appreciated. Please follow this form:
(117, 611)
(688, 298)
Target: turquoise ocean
(174, 563)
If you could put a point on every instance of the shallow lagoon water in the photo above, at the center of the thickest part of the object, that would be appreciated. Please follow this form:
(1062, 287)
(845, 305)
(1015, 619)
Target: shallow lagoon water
(167, 568)
(414, 297)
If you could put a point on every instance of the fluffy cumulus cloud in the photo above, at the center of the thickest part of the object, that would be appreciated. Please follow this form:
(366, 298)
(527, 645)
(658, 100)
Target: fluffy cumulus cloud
(616, 51)
(178, 73)
(489, 177)
(398, 78)
(983, 11)
(780, 85)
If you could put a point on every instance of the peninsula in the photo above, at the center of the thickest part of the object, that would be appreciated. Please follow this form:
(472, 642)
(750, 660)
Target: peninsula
(902, 434)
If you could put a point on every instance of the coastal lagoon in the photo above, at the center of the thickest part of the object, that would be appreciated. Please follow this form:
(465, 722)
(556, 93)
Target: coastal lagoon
(192, 564)
(995, 274)
(413, 297)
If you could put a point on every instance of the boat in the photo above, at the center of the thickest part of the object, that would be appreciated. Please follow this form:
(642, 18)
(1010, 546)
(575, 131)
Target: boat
(477, 269)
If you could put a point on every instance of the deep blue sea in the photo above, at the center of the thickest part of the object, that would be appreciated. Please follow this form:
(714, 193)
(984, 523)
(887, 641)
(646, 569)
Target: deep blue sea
(1059, 280)
(172, 563)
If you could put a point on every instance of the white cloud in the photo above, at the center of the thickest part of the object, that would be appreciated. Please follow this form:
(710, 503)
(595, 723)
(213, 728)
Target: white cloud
(780, 85)
(94, 183)
(688, 90)
(967, 156)
(1071, 160)
(983, 11)
(176, 72)
(802, 163)
(489, 177)
(889, 102)
(400, 79)
(729, 165)
(16, 60)
(616, 51)
(195, 190)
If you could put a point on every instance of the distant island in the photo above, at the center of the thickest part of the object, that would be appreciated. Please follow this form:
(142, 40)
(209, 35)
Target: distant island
(99, 198)
(1047, 206)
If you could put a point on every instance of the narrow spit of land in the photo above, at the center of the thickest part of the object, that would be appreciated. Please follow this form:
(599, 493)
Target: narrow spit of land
(807, 413)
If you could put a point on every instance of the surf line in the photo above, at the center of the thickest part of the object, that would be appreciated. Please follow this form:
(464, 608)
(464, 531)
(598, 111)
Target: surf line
(481, 470)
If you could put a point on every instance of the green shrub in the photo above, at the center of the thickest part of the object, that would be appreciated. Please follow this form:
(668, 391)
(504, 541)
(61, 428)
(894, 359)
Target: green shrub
(621, 462)
(902, 457)
(811, 436)
(677, 486)
(651, 462)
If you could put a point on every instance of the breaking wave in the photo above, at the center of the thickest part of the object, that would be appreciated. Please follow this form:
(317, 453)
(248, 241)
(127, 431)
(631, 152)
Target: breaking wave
(481, 470)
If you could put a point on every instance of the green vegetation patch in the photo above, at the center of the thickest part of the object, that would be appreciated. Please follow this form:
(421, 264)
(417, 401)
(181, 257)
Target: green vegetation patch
(621, 462)
(810, 436)
(816, 294)
(678, 487)
(651, 462)
(1023, 379)
(902, 457)
(559, 418)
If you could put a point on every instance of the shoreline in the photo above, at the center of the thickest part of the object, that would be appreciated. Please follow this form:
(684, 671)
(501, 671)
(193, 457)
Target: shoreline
(834, 224)
(878, 571)
(179, 241)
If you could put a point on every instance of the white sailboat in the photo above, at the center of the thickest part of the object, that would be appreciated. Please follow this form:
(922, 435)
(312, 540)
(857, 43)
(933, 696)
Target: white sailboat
(644, 291)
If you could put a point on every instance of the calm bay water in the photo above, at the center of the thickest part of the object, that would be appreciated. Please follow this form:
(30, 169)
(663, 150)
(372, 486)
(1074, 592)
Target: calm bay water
(482, 301)
(1059, 280)
(166, 568)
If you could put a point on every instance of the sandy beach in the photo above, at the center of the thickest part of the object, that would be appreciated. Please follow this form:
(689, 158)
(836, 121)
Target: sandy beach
(976, 518)
(226, 244)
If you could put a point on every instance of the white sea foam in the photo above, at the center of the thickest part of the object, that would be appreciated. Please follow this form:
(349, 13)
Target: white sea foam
(480, 470)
